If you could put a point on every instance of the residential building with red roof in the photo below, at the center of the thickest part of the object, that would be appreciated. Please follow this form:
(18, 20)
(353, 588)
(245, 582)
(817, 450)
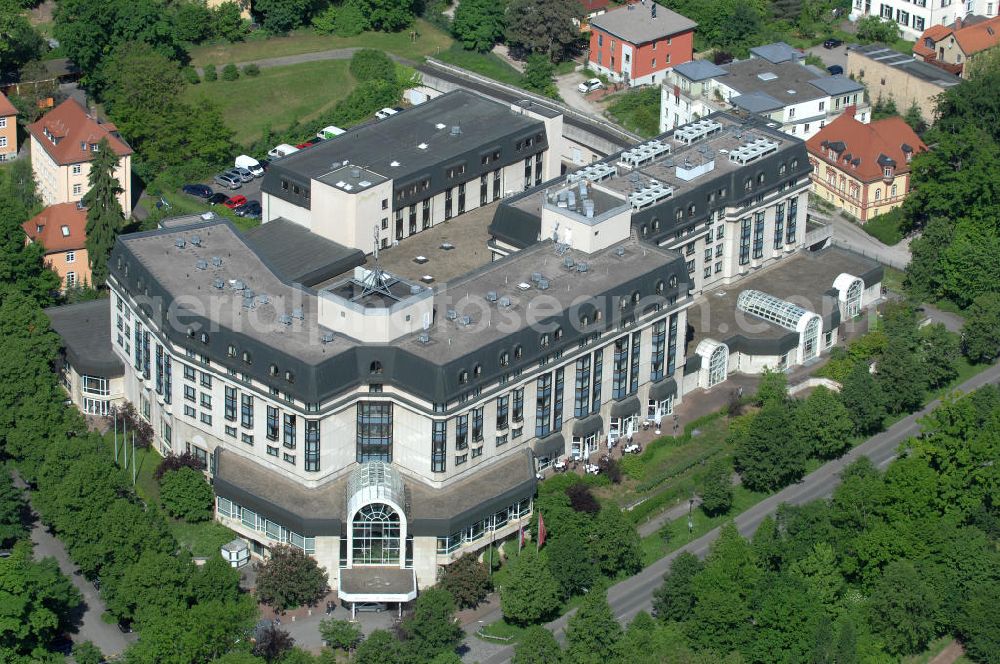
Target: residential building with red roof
(864, 169)
(8, 129)
(636, 44)
(62, 230)
(63, 143)
(952, 47)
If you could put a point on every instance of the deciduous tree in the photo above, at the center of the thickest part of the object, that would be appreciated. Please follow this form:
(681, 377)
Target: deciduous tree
(615, 544)
(823, 424)
(543, 26)
(537, 646)
(571, 561)
(593, 633)
(876, 29)
(531, 593)
(340, 634)
(902, 608)
(12, 512)
(467, 580)
(864, 400)
(770, 456)
(479, 24)
(432, 628)
(19, 42)
(272, 643)
(981, 331)
(717, 488)
(381, 647)
(675, 599)
(186, 495)
(290, 578)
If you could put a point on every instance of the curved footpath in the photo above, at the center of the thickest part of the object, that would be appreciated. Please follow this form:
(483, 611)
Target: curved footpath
(635, 594)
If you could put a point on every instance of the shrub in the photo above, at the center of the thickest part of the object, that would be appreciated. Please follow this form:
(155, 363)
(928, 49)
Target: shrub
(230, 72)
(364, 100)
(190, 75)
(370, 64)
(290, 578)
(176, 462)
(346, 20)
(582, 499)
(251, 70)
(186, 495)
(210, 73)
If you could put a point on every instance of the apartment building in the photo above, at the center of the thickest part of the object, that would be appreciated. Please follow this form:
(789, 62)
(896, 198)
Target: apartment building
(952, 47)
(637, 43)
(414, 170)
(889, 74)
(774, 82)
(913, 18)
(8, 129)
(62, 230)
(63, 143)
(864, 169)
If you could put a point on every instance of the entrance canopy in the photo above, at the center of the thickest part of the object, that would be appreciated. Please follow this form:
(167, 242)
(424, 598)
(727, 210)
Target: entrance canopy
(377, 584)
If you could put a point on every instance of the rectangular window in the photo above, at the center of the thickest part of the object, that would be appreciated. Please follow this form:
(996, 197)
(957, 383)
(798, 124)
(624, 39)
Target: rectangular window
(272, 423)
(206, 419)
(447, 204)
(595, 405)
(288, 458)
(745, 241)
(246, 411)
(581, 394)
(659, 345)
(619, 371)
(517, 412)
(758, 234)
(272, 451)
(503, 405)
(230, 403)
(793, 211)
(312, 446)
(374, 431)
(159, 369)
(189, 411)
(672, 345)
(779, 225)
(461, 198)
(478, 451)
(462, 432)
(461, 459)
(206, 379)
(206, 400)
(168, 383)
(439, 446)
(288, 423)
(633, 384)
(543, 405)
(557, 405)
(477, 424)
(189, 393)
(496, 184)
(231, 431)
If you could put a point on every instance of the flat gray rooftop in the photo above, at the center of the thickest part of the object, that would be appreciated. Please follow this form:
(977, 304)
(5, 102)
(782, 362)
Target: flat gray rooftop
(376, 146)
(802, 278)
(793, 82)
(300, 255)
(467, 295)
(908, 64)
(85, 330)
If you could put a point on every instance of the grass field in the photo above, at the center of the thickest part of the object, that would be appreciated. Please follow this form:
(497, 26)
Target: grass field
(277, 97)
(429, 41)
(487, 64)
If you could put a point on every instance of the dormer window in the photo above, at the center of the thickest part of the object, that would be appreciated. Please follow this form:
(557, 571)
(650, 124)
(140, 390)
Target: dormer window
(65, 231)
(477, 371)
(888, 172)
(504, 359)
(94, 147)
(231, 351)
(518, 352)
(83, 145)
(375, 367)
(463, 377)
(544, 341)
(247, 358)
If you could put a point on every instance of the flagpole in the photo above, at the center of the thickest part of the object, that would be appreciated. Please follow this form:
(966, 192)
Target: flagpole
(116, 439)
(125, 444)
(133, 458)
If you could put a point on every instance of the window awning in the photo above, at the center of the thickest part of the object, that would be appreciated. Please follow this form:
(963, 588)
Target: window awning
(625, 407)
(549, 447)
(588, 425)
(663, 389)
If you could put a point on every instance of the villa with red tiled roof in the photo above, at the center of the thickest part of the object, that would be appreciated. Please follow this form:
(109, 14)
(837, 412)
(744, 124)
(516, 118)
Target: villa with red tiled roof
(864, 169)
(952, 47)
(63, 143)
(62, 230)
(8, 129)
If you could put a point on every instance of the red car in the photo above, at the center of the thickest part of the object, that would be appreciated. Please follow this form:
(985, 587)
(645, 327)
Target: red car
(302, 146)
(235, 202)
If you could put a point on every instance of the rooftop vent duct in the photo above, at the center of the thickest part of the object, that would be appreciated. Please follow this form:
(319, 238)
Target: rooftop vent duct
(196, 240)
(285, 319)
(263, 298)
(416, 289)
(219, 283)
(569, 262)
(543, 284)
(466, 321)
(326, 337)
(503, 302)
(216, 261)
(298, 314)
(355, 173)
(424, 338)
(582, 267)
(620, 251)
(492, 296)
(179, 243)
(456, 130)
(201, 265)
(452, 314)
(536, 277)
(238, 285)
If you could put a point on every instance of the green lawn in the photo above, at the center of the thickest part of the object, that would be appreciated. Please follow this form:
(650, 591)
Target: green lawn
(637, 110)
(885, 227)
(277, 97)
(201, 539)
(486, 64)
(429, 41)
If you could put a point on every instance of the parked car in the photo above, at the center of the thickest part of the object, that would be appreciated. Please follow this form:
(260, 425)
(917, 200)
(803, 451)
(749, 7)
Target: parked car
(250, 210)
(228, 180)
(590, 86)
(199, 190)
(235, 202)
(124, 626)
(385, 112)
(283, 150)
(249, 163)
(832, 43)
(303, 146)
(241, 173)
(369, 607)
(215, 199)
(264, 164)
(835, 70)
(329, 132)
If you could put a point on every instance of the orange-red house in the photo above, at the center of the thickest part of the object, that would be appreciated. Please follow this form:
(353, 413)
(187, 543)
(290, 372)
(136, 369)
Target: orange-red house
(636, 44)
(62, 230)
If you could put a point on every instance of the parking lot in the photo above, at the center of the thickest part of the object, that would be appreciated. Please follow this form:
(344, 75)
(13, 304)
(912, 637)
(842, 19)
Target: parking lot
(830, 56)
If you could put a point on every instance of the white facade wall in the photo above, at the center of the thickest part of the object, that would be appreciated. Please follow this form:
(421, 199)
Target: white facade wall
(915, 17)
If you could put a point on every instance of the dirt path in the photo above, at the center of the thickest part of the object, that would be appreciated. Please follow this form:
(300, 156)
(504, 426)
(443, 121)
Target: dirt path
(951, 653)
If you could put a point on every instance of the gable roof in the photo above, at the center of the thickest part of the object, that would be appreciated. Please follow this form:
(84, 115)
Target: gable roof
(777, 52)
(634, 23)
(66, 132)
(978, 36)
(594, 5)
(934, 33)
(867, 147)
(6, 108)
(58, 228)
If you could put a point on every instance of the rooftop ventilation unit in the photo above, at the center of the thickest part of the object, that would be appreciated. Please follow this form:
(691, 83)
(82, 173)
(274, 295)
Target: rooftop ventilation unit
(456, 130)
(466, 321)
(536, 277)
(767, 76)
(503, 302)
(752, 151)
(394, 164)
(201, 265)
(593, 172)
(248, 293)
(179, 243)
(492, 296)
(326, 337)
(447, 246)
(219, 284)
(697, 130)
(582, 267)
(569, 262)
(355, 173)
(365, 183)
(298, 314)
(238, 285)
(263, 298)
(620, 252)
(422, 146)
(196, 240)
(440, 125)
(416, 289)
(285, 319)
(248, 302)
(543, 284)
(644, 153)
(452, 314)
(216, 261)
(654, 192)
(424, 338)
(689, 170)
(524, 285)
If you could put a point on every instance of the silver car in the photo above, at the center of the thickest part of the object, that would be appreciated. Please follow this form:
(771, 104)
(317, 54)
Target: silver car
(243, 174)
(228, 180)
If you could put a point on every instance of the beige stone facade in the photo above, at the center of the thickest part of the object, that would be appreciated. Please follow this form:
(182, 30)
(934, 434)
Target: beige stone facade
(892, 75)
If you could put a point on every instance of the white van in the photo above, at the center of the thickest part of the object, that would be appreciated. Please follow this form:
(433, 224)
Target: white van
(251, 164)
(282, 150)
(327, 133)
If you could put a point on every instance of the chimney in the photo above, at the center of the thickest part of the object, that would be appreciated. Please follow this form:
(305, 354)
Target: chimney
(958, 22)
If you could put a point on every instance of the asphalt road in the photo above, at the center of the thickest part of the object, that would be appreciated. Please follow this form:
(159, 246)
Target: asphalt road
(635, 594)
